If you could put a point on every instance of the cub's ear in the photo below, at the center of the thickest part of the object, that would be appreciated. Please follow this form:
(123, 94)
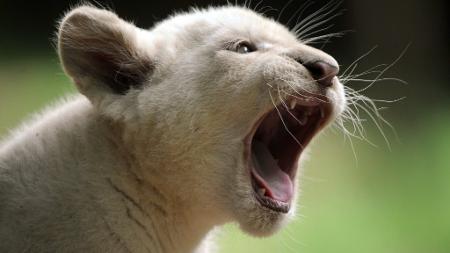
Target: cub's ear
(102, 53)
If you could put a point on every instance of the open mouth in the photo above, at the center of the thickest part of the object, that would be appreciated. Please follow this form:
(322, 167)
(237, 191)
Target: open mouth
(274, 146)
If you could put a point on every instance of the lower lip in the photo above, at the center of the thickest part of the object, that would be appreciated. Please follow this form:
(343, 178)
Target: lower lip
(273, 205)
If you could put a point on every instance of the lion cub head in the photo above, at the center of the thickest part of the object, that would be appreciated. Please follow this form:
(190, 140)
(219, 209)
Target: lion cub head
(217, 105)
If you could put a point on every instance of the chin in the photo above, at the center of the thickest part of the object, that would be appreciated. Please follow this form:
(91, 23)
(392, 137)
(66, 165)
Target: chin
(260, 221)
(272, 149)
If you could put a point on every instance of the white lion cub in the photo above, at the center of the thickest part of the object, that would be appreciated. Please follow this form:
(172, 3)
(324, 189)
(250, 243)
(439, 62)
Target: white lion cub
(197, 122)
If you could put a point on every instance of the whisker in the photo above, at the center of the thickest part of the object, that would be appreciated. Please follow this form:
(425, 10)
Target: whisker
(376, 80)
(371, 70)
(288, 232)
(301, 9)
(257, 5)
(284, 124)
(314, 17)
(317, 31)
(287, 108)
(377, 124)
(387, 68)
(319, 19)
(348, 136)
(327, 37)
(265, 10)
(295, 87)
(303, 33)
(358, 59)
(280, 14)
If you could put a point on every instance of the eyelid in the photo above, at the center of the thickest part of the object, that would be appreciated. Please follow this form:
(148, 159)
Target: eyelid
(232, 45)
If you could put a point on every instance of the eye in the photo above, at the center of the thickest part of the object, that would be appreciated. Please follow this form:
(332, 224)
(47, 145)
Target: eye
(244, 47)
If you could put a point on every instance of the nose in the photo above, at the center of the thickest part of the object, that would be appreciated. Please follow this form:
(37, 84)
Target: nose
(322, 72)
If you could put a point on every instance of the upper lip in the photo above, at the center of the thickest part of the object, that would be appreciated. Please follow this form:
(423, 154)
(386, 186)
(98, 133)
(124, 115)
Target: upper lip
(279, 151)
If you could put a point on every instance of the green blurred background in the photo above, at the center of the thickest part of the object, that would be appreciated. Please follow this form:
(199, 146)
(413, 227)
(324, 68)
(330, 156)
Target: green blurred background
(380, 200)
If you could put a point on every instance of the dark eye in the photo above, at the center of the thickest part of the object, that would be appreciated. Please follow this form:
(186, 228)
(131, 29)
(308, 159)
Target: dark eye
(244, 48)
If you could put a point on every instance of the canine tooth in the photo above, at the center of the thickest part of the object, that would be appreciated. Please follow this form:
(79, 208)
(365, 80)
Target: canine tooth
(322, 113)
(292, 106)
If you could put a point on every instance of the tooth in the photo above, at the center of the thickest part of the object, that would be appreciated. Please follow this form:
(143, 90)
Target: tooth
(262, 191)
(322, 113)
(292, 104)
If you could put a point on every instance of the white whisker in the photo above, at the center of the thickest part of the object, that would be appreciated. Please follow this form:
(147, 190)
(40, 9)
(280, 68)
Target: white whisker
(287, 108)
(282, 121)
(358, 59)
(387, 68)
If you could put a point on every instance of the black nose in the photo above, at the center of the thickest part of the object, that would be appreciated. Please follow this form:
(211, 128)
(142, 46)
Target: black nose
(322, 72)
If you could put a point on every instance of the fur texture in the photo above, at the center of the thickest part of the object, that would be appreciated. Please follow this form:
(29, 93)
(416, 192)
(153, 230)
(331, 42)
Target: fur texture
(150, 157)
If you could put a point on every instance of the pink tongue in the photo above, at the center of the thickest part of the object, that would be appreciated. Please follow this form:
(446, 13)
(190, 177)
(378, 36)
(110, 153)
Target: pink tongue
(277, 183)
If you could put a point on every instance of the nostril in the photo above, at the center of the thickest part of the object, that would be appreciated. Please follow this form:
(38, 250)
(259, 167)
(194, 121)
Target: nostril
(322, 71)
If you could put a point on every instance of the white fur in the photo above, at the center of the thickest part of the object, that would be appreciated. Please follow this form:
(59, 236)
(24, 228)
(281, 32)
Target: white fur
(156, 168)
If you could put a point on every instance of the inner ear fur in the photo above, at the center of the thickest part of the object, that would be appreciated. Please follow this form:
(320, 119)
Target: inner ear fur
(100, 51)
